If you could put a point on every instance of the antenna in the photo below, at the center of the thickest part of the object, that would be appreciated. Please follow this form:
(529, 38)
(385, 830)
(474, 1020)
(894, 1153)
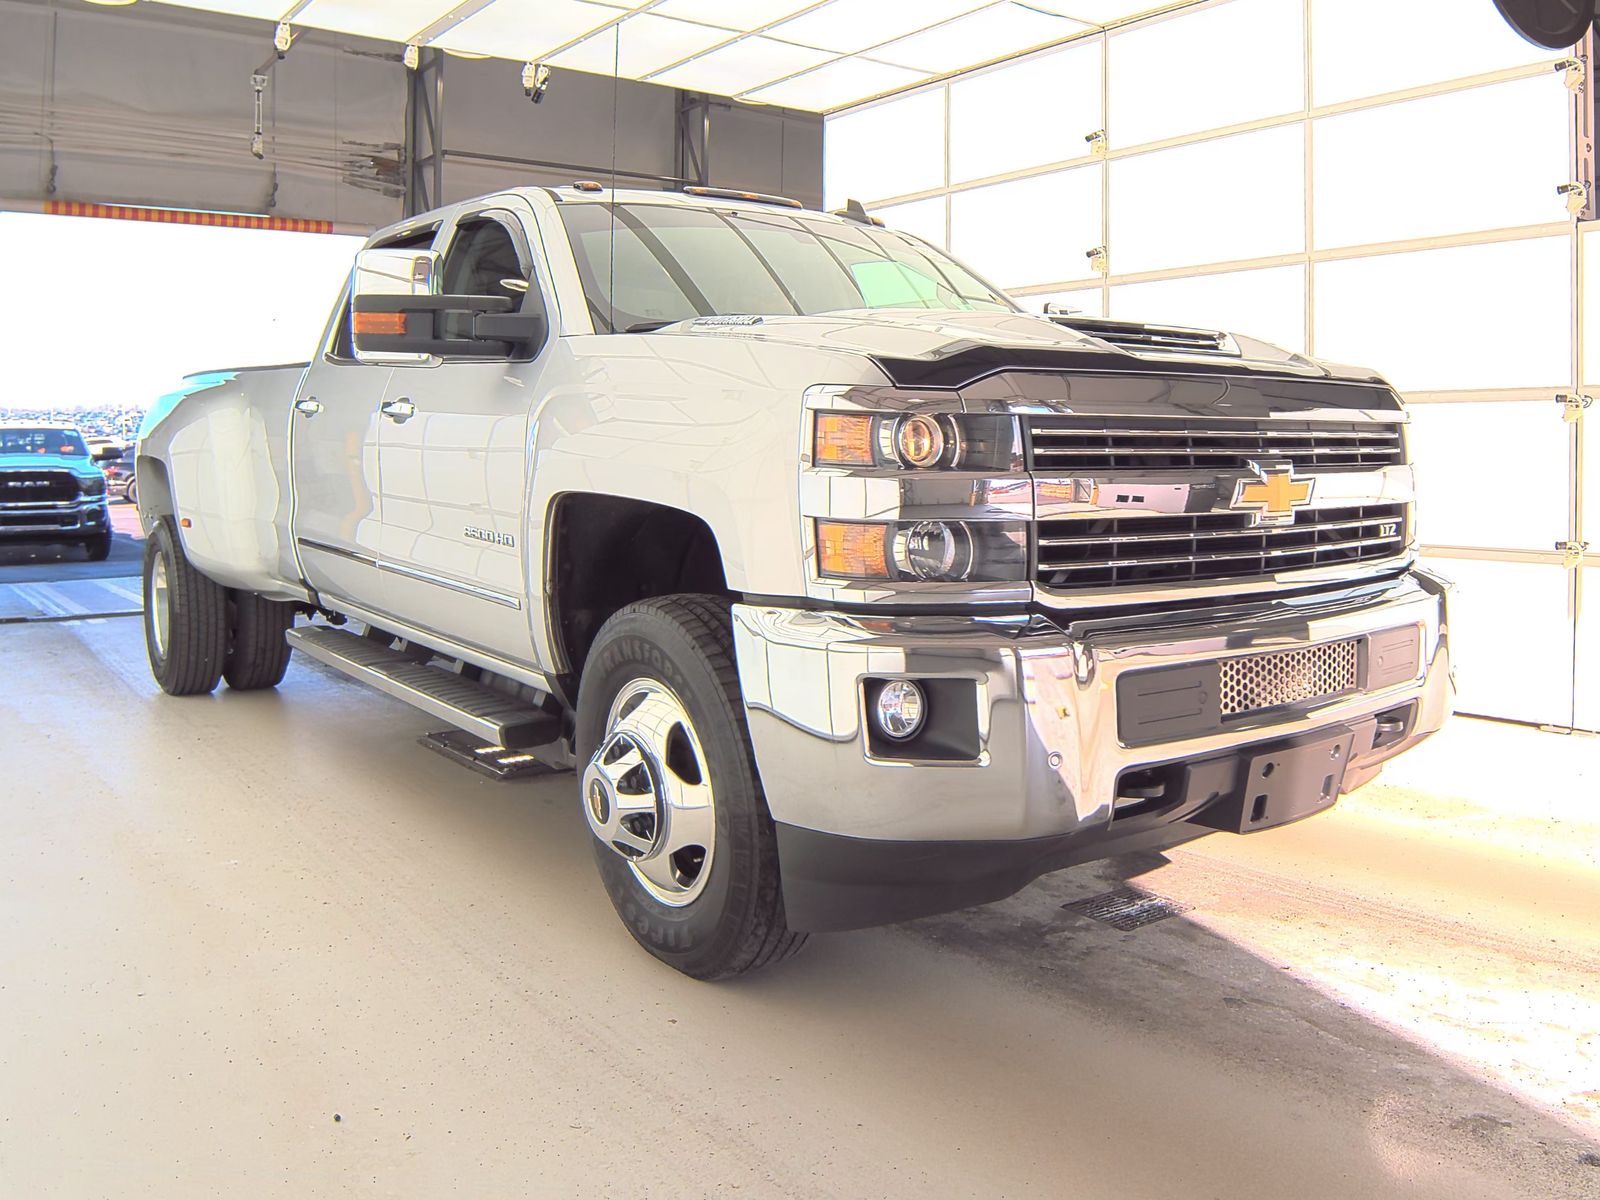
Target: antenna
(1553, 24)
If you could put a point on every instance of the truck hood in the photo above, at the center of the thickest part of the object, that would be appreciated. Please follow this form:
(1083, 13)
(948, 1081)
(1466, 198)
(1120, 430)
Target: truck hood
(917, 347)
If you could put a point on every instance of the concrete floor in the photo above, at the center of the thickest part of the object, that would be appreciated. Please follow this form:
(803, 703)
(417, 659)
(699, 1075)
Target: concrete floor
(266, 945)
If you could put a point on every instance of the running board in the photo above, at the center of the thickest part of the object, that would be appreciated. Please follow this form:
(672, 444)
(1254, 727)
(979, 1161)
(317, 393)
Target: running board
(482, 711)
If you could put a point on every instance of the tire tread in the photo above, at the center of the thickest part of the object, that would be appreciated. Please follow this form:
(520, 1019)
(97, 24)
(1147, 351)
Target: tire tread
(197, 642)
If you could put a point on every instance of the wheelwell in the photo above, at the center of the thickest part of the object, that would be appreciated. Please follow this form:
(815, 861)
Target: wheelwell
(609, 551)
(155, 490)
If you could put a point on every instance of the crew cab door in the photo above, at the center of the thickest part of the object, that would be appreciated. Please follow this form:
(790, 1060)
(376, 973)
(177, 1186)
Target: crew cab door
(453, 455)
(334, 460)
(333, 454)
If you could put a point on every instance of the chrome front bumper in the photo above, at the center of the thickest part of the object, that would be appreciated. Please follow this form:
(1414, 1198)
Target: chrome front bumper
(1049, 752)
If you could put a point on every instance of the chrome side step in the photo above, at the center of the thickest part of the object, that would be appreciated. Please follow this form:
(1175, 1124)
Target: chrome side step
(493, 716)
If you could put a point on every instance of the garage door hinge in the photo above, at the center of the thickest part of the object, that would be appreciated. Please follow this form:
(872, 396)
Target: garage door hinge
(1572, 406)
(1572, 553)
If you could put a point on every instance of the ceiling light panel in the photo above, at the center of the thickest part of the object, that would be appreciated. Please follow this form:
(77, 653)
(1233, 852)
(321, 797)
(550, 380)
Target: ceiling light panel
(848, 26)
(395, 20)
(734, 14)
(1103, 12)
(644, 43)
(845, 81)
(266, 10)
(978, 37)
(526, 29)
(751, 62)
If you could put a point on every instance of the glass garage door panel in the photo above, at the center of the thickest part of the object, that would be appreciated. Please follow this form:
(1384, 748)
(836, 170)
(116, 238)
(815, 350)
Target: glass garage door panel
(1034, 113)
(1485, 158)
(1269, 304)
(1217, 201)
(1033, 231)
(890, 149)
(1468, 317)
(1586, 708)
(1510, 639)
(926, 219)
(1209, 69)
(1089, 301)
(1369, 47)
(1490, 474)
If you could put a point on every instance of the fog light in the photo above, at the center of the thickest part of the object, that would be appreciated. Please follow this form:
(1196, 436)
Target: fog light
(900, 709)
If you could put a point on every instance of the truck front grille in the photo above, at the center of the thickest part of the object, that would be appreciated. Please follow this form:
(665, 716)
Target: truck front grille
(37, 487)
(1107, 552)
(1074, 445)
(1256, 681)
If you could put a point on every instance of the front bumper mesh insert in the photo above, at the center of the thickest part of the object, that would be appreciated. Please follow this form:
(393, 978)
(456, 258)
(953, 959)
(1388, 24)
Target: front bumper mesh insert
(1252, 682)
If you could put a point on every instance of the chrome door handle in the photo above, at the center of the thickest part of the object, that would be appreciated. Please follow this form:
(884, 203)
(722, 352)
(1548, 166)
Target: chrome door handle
(308, 406)
(398, 410)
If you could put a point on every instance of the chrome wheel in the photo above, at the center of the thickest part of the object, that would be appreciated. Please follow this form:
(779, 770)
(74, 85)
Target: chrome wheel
(160, 605)
(647, 793)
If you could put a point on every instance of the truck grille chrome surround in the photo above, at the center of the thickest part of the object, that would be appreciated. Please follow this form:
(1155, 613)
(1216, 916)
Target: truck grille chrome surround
(1073, 444)
(1255, 681)
(1128, 551)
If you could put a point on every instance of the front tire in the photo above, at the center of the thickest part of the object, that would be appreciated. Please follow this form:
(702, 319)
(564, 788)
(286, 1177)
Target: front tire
(683, 838)
(258, 652)
(98, 548)
(185, 617)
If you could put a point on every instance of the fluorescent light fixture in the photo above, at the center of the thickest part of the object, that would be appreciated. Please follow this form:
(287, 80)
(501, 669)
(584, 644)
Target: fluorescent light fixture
(743, 66)
(266, 10)
(847, 26)
(393, 20)
(842, 82)
(114, 3)
(525, 29)
(733, 14)
(989, 33)
(645, 43)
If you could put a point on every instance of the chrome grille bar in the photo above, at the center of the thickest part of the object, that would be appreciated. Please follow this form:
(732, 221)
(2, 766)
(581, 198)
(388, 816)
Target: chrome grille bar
(1078, 443)
(1100, 551)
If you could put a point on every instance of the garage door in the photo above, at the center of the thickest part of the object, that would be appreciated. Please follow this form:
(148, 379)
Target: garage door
(1385, 201)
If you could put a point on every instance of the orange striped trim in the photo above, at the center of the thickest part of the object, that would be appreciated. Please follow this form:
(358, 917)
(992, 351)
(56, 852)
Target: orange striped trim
(183, 216)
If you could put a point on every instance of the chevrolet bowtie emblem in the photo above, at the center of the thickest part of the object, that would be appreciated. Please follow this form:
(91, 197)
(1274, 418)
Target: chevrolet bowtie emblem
(1273, 495)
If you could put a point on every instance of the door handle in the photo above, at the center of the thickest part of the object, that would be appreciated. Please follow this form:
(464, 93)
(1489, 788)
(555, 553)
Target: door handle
(399, 411)
(308, 406)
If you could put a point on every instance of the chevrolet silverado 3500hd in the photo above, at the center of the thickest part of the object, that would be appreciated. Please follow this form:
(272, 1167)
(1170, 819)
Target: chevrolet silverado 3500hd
(850, 591)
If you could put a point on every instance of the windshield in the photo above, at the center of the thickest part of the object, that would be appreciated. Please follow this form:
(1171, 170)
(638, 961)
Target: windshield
(674, 262)
(65, 442)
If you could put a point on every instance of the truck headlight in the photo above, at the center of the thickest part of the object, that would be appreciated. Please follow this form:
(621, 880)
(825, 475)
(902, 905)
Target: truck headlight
(92, 487)
(917, 441)
(923, 551)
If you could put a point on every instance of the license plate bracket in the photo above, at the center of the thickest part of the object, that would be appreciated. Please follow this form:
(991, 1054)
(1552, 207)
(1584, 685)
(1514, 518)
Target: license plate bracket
(1284, 782)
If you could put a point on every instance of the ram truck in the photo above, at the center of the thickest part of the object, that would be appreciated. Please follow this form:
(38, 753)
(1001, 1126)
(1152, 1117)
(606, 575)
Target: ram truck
(849, 591)
(51, 490)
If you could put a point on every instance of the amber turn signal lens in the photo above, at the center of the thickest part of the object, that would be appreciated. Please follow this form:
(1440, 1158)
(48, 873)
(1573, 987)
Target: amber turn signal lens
(380, 324)
(844, 440)
(852, 551)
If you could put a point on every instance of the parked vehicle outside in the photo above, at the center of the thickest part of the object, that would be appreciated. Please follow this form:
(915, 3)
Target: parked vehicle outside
(120, 481)
(51, 490)
(850, 591)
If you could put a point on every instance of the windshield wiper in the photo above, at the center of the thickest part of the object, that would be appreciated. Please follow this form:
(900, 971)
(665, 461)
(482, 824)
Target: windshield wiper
(648, 326)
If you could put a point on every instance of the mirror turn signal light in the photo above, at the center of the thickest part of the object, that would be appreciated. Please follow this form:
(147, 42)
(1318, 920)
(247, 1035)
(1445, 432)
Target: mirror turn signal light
(853, 550)
(381, 324)
(844, 440)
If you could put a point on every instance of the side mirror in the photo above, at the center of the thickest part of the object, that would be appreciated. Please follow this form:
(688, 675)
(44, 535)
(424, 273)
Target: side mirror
(397, 315)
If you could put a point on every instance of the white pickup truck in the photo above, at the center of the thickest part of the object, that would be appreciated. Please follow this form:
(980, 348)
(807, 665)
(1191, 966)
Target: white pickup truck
(851, 591)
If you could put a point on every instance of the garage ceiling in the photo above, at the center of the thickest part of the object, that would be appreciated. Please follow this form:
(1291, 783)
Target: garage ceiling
(818, 55)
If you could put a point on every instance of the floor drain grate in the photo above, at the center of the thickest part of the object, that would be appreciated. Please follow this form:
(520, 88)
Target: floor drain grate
(1127, 908)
